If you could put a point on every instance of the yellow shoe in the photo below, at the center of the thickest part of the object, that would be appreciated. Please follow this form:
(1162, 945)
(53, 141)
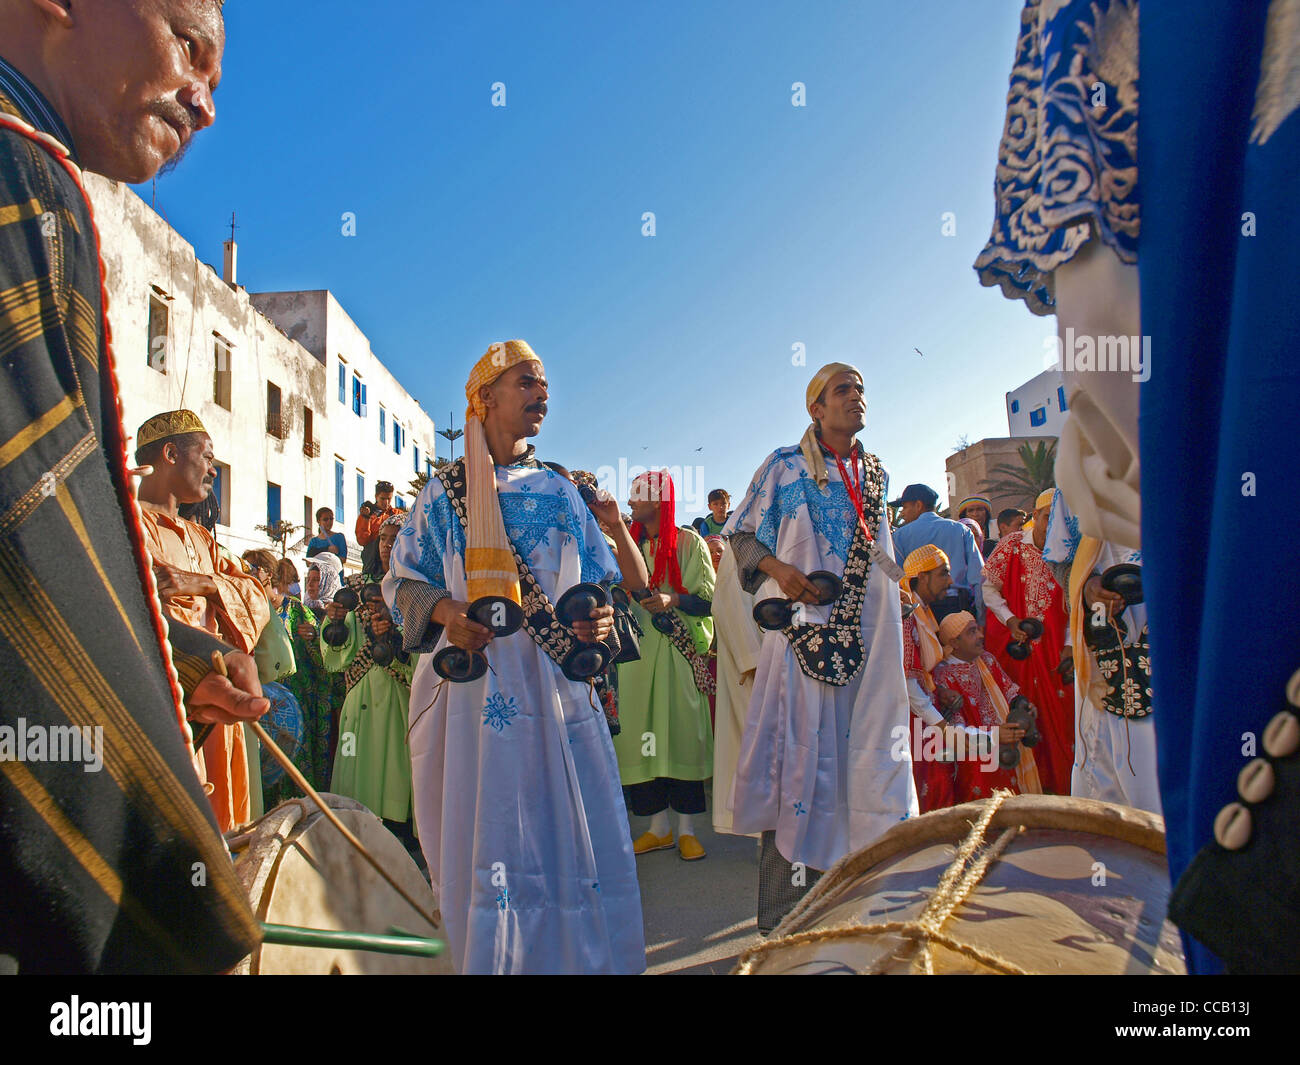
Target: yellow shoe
(648, 842)
(689, 849)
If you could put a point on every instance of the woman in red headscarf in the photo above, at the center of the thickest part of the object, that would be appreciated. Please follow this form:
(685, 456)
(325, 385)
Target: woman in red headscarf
(665, 748)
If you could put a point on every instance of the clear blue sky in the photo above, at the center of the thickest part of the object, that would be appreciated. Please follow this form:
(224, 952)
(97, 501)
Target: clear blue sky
(776, 224)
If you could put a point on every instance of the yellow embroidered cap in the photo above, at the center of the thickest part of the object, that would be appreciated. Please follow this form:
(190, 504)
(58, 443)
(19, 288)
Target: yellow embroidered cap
(951, 627)
(164, 426)
(495, 361)
(822, 377)
(1044, 498)
(923, 559)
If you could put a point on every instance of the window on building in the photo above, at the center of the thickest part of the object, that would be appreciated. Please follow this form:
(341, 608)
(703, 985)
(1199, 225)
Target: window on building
(428, 466)
(221, 374)
(272, 503)
(383, 415)
(308, 517)
(1060, 398)
(415, 454)
(310, 445)
(159, 328)
(399, 502)
(275, 422)
(1038, 416)
(338, 490)
(398, 434)
(343, 380)
(361, 489)
(1015, 406)
(358, 396)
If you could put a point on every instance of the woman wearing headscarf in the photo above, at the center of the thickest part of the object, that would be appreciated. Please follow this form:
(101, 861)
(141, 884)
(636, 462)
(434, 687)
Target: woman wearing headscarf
(372, 762)
(321, 587)
(311, 684)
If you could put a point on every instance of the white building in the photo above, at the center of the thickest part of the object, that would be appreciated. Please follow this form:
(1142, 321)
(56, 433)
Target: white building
(262, 372)
(1038, 407)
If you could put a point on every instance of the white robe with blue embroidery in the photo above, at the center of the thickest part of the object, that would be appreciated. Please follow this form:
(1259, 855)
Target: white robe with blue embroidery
(516, 789)
(817, 761)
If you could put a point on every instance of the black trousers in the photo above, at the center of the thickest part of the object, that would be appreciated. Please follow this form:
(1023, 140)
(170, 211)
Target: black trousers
(648, 798)
(780, 885)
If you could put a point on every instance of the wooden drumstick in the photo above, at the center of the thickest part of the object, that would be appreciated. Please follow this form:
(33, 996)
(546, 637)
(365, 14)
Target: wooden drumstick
(219, 666)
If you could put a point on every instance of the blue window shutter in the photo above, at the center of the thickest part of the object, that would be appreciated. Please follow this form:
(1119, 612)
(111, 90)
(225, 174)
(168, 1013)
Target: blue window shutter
(1015, 406)
(338, 491)
(1038, 416)
(1060, 398)
(343, 383)
(415, 455)
(363, 401)
(361, 491)
(382, 430)
(272, 503)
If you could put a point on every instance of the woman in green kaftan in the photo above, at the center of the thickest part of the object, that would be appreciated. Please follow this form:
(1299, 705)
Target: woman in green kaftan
(372, 762)
(665, 748)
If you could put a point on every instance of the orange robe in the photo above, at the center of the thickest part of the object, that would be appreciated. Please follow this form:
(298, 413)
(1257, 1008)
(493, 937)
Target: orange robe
(237, 614)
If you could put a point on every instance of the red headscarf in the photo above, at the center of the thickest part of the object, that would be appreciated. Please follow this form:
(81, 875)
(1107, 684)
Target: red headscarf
(657, 486)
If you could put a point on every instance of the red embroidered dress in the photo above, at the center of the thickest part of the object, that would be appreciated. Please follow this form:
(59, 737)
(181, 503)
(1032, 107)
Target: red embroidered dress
(934, 779)
(972, 778)
(1030, 589)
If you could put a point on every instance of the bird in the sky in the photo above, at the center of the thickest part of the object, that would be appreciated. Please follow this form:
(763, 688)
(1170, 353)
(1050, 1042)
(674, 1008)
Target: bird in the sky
(919, 352)
(700, 448)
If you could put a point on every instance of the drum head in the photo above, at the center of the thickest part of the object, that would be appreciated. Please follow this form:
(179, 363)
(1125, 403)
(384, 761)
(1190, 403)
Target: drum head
(285, 724)
(1080, 887)
(828, 584)
(501, 615)
(773, 613)
(1124, 579)
(579, 601)
(458, 665)
(1031, 627)
(299, 870)
(585, 661)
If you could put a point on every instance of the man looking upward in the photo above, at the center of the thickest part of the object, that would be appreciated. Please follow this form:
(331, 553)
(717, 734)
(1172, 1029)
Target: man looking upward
(815, 774)
(516, 788)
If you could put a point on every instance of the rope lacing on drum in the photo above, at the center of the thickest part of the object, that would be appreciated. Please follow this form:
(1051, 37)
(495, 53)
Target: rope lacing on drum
(965, 871)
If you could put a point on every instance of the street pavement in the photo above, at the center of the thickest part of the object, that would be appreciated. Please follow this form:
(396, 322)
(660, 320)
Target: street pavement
(698, 915)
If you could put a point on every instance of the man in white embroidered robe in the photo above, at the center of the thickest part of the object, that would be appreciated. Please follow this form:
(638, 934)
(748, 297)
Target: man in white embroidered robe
(816, 773)
(516, 787)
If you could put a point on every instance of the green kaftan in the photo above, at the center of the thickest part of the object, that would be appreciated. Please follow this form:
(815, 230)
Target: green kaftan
(664, 717)
(372, 763)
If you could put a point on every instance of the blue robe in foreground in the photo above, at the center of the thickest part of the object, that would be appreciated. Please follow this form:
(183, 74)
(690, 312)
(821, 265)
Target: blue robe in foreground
(1219, 413)
(517, 798)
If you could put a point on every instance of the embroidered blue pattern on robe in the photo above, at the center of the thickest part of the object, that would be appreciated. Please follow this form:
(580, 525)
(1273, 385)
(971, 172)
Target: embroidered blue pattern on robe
(497, 711)
(530, 517)
(832, 513)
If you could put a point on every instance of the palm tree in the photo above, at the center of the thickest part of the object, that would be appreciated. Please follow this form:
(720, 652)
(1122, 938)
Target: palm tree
(1022, 484)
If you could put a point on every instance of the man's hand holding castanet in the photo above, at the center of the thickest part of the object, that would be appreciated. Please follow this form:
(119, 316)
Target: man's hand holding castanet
(658, 602)
(231, 699)
(1017, 633)
(794, 585)
(600, 625)
(1093, 592)
(464, 633)
(306, 631)
(380, 620)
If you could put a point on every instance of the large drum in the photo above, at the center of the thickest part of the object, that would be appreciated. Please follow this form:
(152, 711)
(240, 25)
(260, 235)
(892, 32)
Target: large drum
(299, 870)
(1012, 884)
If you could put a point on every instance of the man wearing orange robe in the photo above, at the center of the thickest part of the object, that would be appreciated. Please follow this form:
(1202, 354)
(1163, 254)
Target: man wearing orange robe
(197, 585)
(1018, 584)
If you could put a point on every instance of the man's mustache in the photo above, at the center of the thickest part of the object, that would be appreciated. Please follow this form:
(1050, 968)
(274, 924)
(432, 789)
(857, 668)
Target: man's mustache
(536, 408)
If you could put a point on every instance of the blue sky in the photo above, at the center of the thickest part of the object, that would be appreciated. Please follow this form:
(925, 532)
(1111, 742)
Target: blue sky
(775, 225)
